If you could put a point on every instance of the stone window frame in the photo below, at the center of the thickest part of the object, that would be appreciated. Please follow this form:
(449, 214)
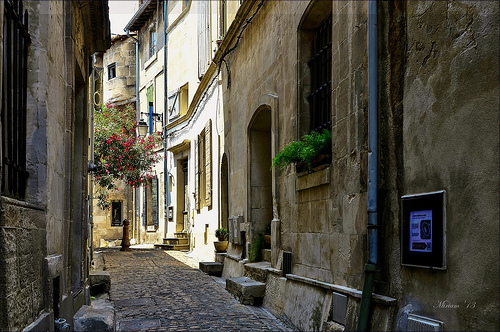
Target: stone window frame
(116, 207)
(111, 71)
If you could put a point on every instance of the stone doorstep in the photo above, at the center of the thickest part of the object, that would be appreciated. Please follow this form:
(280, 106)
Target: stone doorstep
(164, 246)
(212, 268)
(99, 316)
(100, 282)
(246, 290)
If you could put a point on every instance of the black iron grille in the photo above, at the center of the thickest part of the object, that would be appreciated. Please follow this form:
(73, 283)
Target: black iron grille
(320, 65)
(14, 95)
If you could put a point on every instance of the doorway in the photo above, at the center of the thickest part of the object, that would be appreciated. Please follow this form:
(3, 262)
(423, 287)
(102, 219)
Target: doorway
(182, 220)
(224, 197)
(261, 202)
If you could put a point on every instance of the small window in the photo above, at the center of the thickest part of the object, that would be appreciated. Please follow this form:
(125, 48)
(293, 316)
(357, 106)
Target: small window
(111, 71)
(152, 42)
(116, 214)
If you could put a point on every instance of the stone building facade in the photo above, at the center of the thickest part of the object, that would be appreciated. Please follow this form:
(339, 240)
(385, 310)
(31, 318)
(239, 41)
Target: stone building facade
(180, 85)
(45, 119)
(115, 73)
(436, 108)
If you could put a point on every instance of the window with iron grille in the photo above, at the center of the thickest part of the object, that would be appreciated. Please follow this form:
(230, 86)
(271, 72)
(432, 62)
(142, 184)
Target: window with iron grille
(320, 66)
(116, 213)
(14, 95)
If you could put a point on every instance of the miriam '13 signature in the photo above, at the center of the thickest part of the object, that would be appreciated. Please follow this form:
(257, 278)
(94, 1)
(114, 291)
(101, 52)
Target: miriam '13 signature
(445, 304)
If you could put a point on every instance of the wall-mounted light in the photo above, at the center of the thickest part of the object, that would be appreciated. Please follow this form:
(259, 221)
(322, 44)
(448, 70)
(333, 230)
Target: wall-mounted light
(142, 128)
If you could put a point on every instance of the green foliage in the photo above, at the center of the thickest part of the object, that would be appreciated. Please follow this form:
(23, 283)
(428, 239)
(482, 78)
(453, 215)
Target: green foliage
(118, 153)
(221, 234)
(305, 150)
(255, 253)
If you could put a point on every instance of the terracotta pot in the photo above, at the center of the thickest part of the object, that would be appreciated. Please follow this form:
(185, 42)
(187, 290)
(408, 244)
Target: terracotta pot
(221, 246)
(267, 241)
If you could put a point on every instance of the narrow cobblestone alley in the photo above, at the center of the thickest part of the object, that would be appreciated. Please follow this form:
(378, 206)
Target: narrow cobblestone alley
(154, 290)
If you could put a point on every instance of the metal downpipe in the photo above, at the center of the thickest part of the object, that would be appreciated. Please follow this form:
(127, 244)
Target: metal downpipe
(136, 198)
(166, 179)
(371, 266)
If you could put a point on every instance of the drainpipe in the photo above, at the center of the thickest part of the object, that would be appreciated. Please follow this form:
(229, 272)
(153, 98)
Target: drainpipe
(136, 194)
(166, 198)
(372, 226)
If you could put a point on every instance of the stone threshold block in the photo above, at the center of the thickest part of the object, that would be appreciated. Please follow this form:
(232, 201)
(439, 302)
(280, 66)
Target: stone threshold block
(212, 268)
(100, 282)
(246, 290)
(99, 316)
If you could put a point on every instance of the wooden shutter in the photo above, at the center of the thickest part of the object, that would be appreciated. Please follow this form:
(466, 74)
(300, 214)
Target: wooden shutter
(208, 163)
(203, 37)
(145, 206)
(197, 174)
(154, 198)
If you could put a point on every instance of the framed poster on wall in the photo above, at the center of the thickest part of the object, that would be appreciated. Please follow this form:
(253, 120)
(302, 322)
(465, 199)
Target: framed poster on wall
(423, 230)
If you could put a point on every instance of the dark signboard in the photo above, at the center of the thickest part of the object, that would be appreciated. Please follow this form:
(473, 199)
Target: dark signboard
(423, 237)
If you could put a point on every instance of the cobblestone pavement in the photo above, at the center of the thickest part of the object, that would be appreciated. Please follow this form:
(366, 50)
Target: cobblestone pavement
(155, 290)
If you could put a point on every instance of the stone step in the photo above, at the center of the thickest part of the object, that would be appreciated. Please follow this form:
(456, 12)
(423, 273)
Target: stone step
(212, 268)
(171, 240)
(246, 290)
(257, 271)
(100, 282)
(98, 316)
(181, 247)
(183, 240)
(164, 246)
(181, 235)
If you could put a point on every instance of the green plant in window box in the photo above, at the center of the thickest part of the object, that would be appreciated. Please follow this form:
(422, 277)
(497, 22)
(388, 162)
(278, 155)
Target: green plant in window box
(310, 149)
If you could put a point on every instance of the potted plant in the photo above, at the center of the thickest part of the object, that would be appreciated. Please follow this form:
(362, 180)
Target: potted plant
(221, 245)
(311, 150)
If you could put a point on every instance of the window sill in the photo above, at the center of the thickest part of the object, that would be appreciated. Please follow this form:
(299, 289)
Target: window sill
(316, 177)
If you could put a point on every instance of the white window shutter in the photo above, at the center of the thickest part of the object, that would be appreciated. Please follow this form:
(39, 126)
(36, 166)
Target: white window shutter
(173, 105)
(203, 37)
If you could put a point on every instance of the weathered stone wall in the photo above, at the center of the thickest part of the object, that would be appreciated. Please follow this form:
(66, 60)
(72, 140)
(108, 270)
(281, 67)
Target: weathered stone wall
(440, 120)
(120, 89)
(438, 130)
(43, 237)
(322, 213)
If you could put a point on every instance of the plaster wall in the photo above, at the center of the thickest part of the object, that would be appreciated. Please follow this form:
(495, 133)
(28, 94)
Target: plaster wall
(449, 141)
